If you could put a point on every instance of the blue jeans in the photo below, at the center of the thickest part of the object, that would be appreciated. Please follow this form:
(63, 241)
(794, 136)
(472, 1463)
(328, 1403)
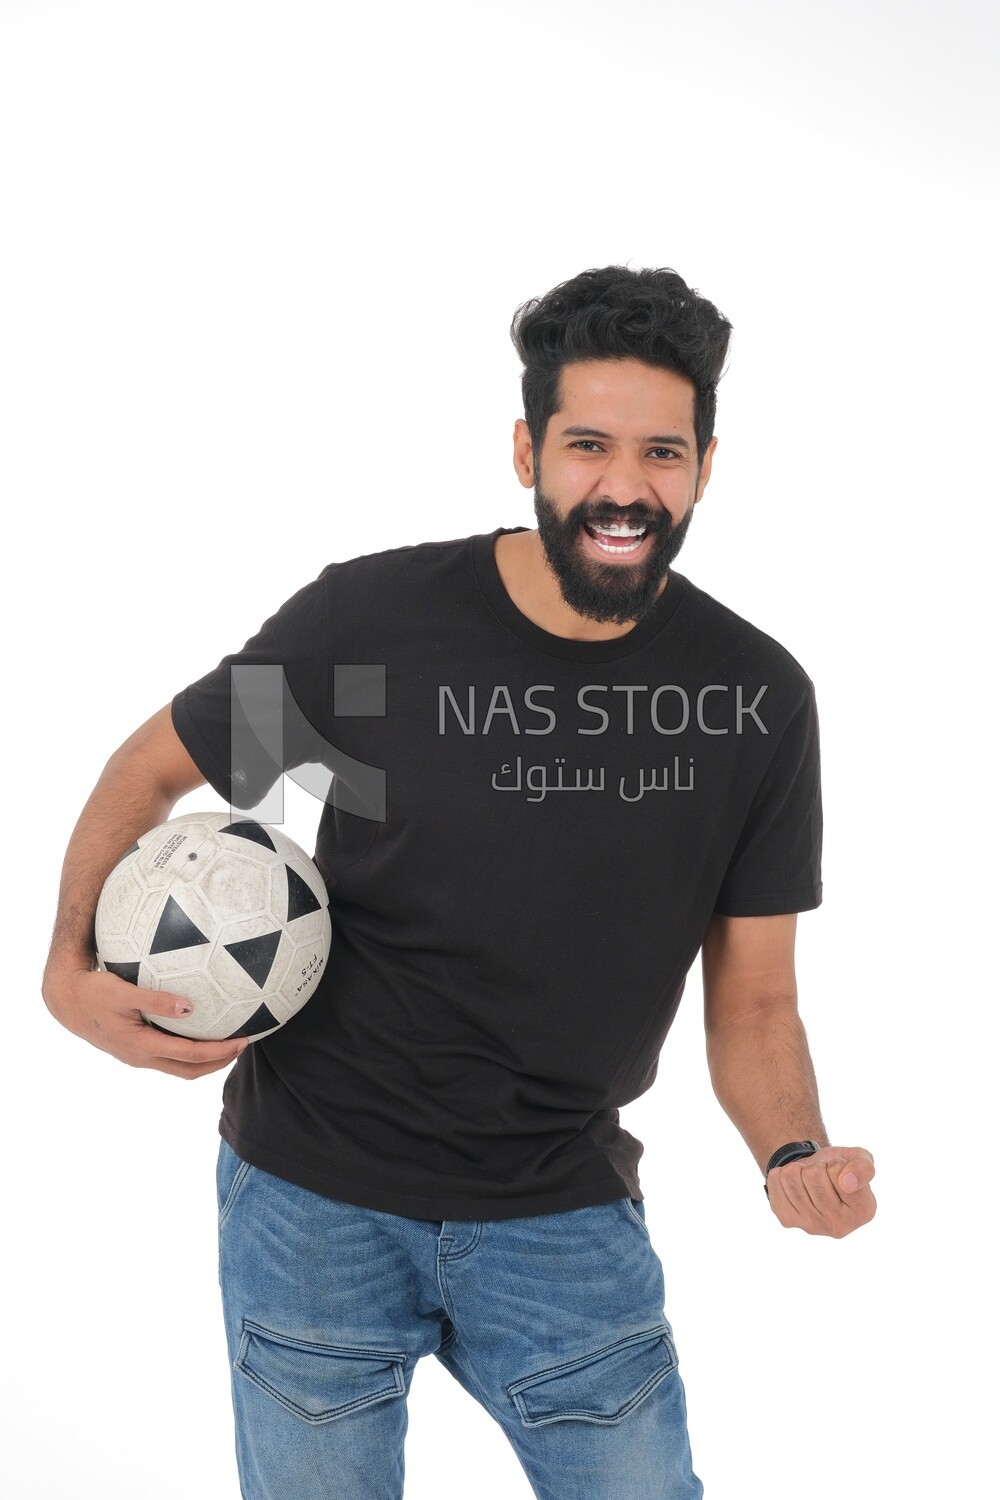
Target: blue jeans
(553, 1323)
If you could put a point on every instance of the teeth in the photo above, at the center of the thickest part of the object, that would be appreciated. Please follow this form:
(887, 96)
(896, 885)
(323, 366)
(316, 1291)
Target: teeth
(618, 528)
(618, 547)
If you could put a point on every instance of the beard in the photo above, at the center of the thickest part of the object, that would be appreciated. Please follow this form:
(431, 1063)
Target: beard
(613, 592)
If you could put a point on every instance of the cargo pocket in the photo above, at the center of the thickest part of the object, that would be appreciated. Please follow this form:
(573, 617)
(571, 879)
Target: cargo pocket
(318, 1382)
(600, 1387)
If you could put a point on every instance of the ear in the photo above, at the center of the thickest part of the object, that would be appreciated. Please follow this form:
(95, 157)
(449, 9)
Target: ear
(524, 459)
(706, 469)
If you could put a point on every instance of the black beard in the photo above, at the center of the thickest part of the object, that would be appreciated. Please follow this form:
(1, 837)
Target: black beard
(614, 592)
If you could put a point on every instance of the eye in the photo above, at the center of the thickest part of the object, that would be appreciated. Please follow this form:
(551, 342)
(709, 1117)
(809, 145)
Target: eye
(590, 443)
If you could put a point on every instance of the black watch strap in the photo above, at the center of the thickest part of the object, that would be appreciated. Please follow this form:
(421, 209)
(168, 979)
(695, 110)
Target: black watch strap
(793, 1151)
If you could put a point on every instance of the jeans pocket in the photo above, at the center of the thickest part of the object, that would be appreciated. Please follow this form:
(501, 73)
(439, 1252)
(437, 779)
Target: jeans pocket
(600, 1387)
(231, 1171)
(318, 1382)
(634, 1212)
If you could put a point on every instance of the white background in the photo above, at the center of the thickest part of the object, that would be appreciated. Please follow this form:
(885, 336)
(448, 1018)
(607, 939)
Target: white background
(258, 262)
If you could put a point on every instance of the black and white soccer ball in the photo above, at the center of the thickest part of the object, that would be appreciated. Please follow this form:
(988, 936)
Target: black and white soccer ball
(231, 914)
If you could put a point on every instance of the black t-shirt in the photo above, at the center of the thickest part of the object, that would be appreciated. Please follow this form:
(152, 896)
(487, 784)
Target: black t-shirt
(553, 824)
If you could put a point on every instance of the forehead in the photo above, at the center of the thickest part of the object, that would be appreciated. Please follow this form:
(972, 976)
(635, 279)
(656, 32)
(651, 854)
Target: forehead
(626, 396)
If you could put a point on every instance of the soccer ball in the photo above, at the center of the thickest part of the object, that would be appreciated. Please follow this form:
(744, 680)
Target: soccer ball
(233, 915)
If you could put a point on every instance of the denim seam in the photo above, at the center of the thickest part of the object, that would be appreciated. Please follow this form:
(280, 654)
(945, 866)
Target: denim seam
(237, 1183)
(660, 1330)
(317, 1417)
(442, 1280)
(349, 1351)
(443, 1289)
(466, 1249)
(580, 1414)
(471, 1374)
(637, 1217)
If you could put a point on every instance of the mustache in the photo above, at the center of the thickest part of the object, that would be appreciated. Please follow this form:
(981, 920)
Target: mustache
(660, 522)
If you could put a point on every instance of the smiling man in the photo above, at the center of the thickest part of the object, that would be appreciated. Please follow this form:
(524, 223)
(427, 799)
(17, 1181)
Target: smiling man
(604, 557)
(593, 771)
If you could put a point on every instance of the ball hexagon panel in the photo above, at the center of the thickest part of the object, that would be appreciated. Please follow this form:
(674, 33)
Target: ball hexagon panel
(235, 886)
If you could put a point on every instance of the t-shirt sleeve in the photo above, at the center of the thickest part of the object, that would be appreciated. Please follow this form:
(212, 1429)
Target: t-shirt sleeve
(775, 866)
(243, 741)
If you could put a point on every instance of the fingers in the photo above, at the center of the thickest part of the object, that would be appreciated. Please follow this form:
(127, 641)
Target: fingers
(807, 1201)
(850, 1168)
(864, 1205)
(101, 1008)
(856, 1173)
(810, 1194)
(164, 1003)
(818, 1189)
(156, 1047)
(170, 1053)
(781, 1203)
(187, 1070)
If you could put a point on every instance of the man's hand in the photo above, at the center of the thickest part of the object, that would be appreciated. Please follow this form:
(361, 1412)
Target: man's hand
(826, 1193)
(102, 1009)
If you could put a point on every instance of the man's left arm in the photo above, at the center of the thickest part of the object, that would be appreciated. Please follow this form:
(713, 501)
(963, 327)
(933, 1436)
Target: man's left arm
(763, 1075)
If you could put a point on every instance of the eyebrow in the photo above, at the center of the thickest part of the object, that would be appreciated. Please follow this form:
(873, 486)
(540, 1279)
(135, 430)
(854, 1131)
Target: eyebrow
(591, 432)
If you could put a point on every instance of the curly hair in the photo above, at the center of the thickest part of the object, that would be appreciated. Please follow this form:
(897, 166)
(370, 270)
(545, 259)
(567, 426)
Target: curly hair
(619, 313)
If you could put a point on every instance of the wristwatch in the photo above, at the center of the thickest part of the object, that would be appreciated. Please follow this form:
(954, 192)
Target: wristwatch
(792, 1152)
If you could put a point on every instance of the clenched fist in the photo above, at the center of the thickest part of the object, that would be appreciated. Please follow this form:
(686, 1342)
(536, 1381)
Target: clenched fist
(826, 1193)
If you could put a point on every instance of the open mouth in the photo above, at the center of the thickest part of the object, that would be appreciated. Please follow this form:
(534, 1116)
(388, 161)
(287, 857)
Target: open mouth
(616, 538)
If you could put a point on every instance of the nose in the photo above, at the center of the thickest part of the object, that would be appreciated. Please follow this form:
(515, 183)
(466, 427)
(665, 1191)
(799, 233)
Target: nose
(623, 480)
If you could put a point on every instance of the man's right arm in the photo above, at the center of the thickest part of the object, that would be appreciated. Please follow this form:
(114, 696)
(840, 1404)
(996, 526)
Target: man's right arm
(136, 791)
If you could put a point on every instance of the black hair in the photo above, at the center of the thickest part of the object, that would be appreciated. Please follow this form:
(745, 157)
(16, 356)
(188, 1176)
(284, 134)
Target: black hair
(619, 313)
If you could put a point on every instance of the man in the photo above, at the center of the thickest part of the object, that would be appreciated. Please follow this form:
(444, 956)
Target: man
(592, 771)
